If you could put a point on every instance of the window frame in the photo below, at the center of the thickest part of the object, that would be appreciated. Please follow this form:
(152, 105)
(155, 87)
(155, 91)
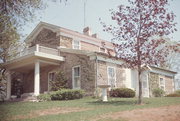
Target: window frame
(73, 78)
(79, 46)
(49, 78)
(162, 85)
(115, 81)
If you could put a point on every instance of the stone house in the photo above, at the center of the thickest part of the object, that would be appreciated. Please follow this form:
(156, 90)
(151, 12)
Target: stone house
(86, 61)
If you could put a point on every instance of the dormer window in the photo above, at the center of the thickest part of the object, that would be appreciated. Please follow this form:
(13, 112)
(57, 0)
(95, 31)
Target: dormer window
(76, 44)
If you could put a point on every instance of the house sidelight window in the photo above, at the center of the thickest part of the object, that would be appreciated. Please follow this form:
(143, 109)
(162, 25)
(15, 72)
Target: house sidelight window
(162, 83)
(76, 77)
(111, 77)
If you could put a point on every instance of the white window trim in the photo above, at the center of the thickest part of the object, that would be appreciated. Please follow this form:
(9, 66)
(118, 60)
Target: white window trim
(104, 48)
(49, 80)
(163, 81)
(79, 44)
(108, 75)
(73, 76)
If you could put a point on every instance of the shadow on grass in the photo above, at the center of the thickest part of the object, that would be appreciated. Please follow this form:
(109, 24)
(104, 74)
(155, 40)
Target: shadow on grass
(113, 102)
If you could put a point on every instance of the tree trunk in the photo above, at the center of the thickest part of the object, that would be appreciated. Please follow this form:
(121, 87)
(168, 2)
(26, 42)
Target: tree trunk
(140, 86)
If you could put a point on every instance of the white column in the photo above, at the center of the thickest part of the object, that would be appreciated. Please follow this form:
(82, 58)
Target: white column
(37, 78)
(104, 94)
(8, 89)
(37, 47)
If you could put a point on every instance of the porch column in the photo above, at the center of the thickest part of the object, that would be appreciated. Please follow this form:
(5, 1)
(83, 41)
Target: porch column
(8, 89)
(37, 78)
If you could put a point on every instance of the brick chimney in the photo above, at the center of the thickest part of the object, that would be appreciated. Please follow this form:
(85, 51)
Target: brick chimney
(95, 35)
(87, 31)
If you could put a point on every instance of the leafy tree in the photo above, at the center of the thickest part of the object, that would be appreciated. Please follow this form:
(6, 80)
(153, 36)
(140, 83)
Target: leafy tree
(13, 15)
(140, 28)
(60, 82)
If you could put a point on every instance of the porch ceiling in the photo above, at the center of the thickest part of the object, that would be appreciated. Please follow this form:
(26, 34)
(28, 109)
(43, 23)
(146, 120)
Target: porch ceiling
(27, 62)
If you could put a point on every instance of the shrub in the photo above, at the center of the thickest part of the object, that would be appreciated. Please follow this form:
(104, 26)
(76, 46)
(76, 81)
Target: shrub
(173, 95)
(177, 92)
(158, 92)
(60, 82)
(44, 97)
(67, 94)
(122, 92)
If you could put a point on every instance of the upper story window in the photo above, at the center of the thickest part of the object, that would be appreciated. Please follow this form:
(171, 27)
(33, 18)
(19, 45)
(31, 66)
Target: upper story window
(162, 83)
(111, 76)
(76, 44)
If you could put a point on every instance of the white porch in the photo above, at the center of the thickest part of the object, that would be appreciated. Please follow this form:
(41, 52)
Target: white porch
(32, 59)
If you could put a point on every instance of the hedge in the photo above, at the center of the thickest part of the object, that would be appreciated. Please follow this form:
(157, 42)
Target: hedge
(63, 94)
(175, 94)
(122, 92)
(157, 92)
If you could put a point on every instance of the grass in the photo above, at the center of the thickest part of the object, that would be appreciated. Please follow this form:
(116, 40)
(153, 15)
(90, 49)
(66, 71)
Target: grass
(96, 108)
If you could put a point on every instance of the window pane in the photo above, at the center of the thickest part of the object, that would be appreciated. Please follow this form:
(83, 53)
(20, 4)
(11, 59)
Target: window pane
(76, 44)
(76, 71)
(77, 82)
(51, 76)
(111, 72)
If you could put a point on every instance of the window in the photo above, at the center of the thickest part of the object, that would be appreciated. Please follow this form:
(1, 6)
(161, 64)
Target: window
(76, 44)
(102, 49)
(51, 78)
(76, 77)
(111, 77)
(162, 83)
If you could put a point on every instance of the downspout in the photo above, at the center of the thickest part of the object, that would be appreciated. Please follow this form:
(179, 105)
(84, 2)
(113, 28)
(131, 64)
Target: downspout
(96, 61)
(174, 83)
(148, 83)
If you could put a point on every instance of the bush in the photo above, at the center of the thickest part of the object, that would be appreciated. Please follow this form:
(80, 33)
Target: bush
(122, 92)
(44, 97)
(158, 92)
(173, 95)
(67, 94)
(60, 82)
(177, 92)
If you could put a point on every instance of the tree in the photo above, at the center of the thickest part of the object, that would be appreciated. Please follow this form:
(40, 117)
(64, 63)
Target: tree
(13, 15)
(140, 28)
(60, 82)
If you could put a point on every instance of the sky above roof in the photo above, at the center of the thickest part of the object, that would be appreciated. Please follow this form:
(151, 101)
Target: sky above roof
(71, 15)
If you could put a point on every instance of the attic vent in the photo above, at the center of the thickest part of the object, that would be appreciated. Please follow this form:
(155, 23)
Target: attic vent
(87, 31)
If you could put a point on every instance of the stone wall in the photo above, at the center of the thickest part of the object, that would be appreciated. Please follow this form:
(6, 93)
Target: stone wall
(169, 86)
(87, 70)
(46, 38)
(153, 82)
(89, 47)
(27, 79)
(66, 42)
(103, 74)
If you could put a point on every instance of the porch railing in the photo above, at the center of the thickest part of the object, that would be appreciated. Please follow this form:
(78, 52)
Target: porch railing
(33, 49)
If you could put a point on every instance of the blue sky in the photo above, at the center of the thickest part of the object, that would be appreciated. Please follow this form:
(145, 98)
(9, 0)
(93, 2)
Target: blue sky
(71, 15)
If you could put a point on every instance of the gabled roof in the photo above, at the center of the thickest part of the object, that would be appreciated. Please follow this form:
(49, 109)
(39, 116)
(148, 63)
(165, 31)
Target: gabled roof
(64, 32)
(162, 71)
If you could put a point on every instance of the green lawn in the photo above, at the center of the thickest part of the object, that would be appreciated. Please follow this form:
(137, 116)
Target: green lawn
(95, 108)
